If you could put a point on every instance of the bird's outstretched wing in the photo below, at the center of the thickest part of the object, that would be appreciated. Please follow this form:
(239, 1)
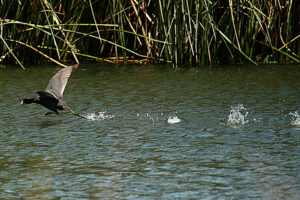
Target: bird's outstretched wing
(59, 81)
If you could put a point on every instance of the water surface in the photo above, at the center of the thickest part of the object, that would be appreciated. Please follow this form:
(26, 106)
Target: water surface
(152, 132)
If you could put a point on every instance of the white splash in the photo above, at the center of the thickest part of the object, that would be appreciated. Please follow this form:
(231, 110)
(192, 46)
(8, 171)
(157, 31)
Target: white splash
(173, 120)
(258, 120)
(100, 116)
(236, 115)
(150, 117)
(295, 118)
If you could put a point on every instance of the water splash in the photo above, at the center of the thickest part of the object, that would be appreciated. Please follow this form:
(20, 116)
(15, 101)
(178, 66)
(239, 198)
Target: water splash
(295, 118)
(173, 120)
(159, 117)
(150, 117)
(100, 116)
(259, 120)
(237, 115)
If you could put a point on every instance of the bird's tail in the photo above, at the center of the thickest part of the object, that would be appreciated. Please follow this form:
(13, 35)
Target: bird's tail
(79, 115)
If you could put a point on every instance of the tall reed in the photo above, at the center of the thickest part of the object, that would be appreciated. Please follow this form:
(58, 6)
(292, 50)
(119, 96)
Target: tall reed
(181, 31)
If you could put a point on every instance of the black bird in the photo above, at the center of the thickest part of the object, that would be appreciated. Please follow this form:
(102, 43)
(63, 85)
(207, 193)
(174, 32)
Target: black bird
(51, 98)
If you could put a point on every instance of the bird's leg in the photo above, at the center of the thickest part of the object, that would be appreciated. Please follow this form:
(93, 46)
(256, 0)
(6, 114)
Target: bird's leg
(79, 115)
(49, 113)
(72, 111)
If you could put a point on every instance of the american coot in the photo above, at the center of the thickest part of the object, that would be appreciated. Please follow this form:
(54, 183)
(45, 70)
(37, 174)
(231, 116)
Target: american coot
(51, 98)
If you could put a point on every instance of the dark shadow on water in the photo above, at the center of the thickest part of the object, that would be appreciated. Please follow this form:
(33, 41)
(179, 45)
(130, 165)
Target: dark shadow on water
(49, 123)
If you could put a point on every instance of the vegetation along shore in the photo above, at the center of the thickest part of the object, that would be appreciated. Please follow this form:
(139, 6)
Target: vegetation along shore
(169, 31)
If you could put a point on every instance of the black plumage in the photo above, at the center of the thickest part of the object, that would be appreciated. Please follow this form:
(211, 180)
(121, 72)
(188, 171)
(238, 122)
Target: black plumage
(51, 98)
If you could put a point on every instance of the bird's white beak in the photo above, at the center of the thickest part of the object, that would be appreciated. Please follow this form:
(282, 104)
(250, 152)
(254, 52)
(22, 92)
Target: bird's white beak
(21, 102)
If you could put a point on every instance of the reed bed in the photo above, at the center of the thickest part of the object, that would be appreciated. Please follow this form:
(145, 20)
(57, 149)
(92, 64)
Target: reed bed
(169, 31)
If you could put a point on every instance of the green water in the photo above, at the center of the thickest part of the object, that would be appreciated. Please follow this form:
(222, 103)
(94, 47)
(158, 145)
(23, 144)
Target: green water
(152, 132)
